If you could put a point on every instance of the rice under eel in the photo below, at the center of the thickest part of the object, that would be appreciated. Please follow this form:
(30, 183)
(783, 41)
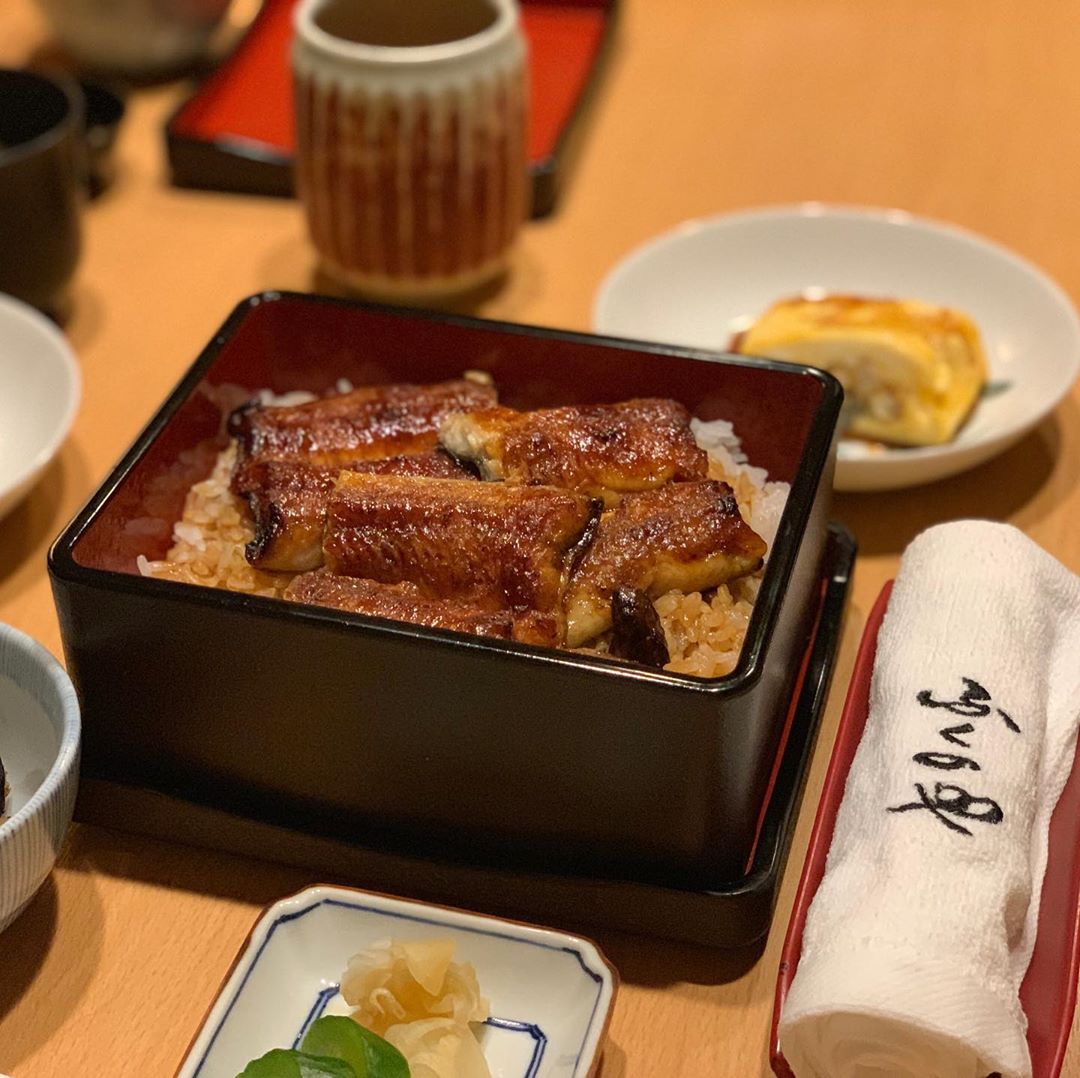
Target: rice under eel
(406, 602)
(288, 504)
(494, 544)
(683, 537)
(603, 450)
(365, 424)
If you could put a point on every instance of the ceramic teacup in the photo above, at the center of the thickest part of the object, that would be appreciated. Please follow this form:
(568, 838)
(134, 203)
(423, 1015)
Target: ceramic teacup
(411, 157)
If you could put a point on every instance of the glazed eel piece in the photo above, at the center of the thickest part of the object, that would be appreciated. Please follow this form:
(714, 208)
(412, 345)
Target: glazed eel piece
(406, 602)
(369, 423)
(684, 536)
(603, 450)
(288, 502)
(496, 545)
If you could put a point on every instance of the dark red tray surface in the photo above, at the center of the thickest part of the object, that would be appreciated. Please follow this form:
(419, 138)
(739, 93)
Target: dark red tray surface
(1048, 993)
(236, 132)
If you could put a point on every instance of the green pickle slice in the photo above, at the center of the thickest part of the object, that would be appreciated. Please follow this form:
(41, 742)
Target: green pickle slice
(334, 1047)
(287, 1063)
(367, 1053)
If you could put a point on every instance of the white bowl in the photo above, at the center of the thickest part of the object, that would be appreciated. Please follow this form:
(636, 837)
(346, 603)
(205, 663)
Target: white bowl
(39, 744)
(707, 280)
(550, 993)
(39, 395)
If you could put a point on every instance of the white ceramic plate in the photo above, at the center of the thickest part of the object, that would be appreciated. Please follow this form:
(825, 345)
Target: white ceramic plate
(39, 395)
(709, 279)
(550, 993)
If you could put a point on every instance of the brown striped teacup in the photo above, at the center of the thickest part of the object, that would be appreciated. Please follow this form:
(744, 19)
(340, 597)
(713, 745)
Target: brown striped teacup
(411, 141)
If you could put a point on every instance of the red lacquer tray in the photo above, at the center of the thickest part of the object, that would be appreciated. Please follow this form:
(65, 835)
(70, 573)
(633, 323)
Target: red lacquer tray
(1048, 993)
(236, 132)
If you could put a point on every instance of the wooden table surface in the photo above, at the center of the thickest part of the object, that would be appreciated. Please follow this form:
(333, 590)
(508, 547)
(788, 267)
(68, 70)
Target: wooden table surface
(954, 109)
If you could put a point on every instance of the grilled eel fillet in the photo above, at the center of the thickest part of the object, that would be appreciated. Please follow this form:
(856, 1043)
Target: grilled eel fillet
(492, 544)
(407, 602)
(366, 424)
(685, 537)
(602, 450)
(288, 503)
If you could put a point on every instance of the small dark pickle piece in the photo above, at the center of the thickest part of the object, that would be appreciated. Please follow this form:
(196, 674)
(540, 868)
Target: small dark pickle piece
(636, 630)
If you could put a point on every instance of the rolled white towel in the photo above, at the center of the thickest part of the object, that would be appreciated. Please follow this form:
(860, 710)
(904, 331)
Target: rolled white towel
(921, 931)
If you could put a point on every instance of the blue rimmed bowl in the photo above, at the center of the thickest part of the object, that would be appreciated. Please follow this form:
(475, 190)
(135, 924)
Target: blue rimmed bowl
(39, 746)
(551, 993)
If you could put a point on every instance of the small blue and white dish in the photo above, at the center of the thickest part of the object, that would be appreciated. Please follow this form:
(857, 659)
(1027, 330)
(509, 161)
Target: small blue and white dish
(551, 993)
(39, 747)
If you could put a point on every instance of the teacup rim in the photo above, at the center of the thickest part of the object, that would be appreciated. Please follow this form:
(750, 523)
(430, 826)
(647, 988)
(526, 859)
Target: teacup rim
(51, 136)
(307, 30)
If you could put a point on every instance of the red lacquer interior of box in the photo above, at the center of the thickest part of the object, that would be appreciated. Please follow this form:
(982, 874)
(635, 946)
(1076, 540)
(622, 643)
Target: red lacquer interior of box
(249, 98)
(293, 343)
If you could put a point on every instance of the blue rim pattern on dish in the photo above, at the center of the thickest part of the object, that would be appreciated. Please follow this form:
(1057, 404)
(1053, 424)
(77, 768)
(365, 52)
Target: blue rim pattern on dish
(329, 992)
(316, 1012)
(510, 1025)
(533, 1031)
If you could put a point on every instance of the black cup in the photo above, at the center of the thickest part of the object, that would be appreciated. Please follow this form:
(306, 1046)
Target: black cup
(41, 186)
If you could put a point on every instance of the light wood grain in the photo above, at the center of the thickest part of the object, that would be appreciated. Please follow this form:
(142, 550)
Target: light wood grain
(954, 109)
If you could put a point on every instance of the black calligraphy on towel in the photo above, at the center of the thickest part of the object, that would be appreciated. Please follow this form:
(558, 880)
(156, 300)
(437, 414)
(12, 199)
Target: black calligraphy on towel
(974, 702)
(948, 802)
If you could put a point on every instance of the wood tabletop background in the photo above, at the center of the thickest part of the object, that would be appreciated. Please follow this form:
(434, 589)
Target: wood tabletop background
(961, 110)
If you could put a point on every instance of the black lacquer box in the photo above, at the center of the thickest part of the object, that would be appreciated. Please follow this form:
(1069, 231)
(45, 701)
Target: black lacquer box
(423, 742)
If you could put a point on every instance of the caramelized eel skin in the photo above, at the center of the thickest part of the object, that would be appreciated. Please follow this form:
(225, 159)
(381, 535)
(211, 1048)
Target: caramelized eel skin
(406, 602)
(364, 424)
(602, 450)
(684, 536)
(288, 502)
(494, 544)
(357, 483)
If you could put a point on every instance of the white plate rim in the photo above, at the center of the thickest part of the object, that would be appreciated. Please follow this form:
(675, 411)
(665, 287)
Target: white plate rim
(62, 351)
(1001, 435)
